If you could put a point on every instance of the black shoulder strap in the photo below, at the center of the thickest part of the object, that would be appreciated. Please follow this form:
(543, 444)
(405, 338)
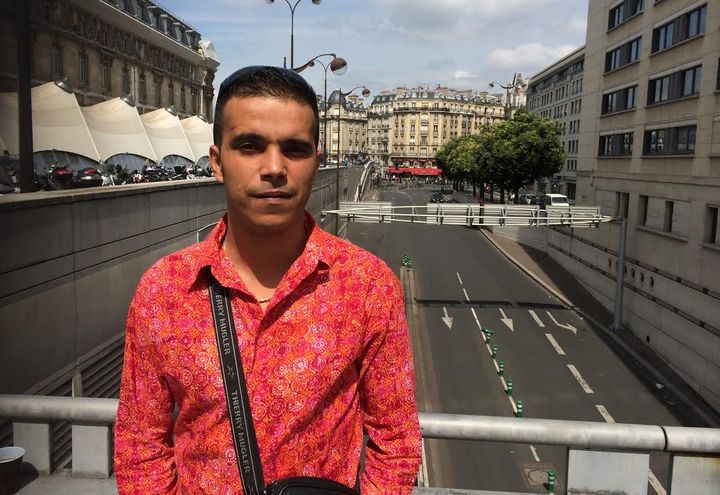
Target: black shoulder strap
(241, 422)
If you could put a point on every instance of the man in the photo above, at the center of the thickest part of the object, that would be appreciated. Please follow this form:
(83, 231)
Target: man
(320, 323)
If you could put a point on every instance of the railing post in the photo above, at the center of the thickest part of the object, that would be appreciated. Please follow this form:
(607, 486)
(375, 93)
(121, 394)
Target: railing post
(92, 451)
(36, 439)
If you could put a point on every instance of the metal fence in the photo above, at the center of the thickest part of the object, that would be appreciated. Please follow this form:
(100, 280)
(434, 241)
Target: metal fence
(602, 457)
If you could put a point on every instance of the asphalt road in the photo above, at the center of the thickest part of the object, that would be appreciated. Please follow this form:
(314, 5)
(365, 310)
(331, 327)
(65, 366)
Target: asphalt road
(559, 366)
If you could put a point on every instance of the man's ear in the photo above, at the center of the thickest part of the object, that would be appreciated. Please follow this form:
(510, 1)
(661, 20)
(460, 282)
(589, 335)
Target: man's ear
(216, 163)
(318, 157)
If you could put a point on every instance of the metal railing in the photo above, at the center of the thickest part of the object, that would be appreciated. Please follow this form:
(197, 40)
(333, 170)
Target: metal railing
(695, 451)
(469, 214)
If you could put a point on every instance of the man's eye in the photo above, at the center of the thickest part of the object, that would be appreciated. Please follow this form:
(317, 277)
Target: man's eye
(249, 147)
(297, 151)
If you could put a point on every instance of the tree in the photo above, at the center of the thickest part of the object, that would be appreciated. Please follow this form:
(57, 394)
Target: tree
(516, 152)
(458, 159)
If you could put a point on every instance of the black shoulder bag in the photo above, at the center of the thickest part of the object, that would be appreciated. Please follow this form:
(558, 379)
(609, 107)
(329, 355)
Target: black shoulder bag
(241, 422)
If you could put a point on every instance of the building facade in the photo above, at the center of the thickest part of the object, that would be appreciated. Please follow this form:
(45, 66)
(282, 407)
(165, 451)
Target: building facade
(346, 128)
(110, 48)
(649, 152)
(406, 127)
(555, 93)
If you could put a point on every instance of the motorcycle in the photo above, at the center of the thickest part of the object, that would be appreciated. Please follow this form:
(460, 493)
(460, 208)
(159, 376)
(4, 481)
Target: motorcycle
(88, 177)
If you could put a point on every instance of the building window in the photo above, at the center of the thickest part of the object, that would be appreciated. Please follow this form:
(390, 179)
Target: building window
(624, 11)
(193, 101)
(56, 57)
(616, 144)
(623, 55)
(84, 76)
(673, 86)
(106, 70)
(126, 80)
(617, 101)
(171, 93)
(158, 91)
(711, 225)
(679, 29)
(642, 209)
(183, 103)
(142, 88)
(670, 141)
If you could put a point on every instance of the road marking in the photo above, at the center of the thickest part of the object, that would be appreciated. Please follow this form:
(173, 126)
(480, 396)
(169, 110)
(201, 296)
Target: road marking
(512, 403)
(580, 379)
(459, 279)
(476, 318)
(605, 414)
(655, 483)
(466, 295)
(566, 326)
(537, 319)
(554, 343)
(506, 320)
(448, 320)
(534, 453)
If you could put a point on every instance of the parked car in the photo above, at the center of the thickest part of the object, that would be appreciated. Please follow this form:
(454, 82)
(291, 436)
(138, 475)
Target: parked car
(554, 200)
(436, 197)
(528, 199)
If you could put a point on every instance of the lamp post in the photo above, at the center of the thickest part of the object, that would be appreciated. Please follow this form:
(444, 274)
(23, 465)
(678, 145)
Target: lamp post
(338, 66)
(341, 95)
(507, 87)
(292, 25)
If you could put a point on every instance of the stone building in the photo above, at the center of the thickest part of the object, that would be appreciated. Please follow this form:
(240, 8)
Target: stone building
(406, 127)
(556, 93)
(110, 48)
(649, 152)
(350, 140)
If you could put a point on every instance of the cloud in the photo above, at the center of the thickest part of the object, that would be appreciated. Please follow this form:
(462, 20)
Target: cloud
(576, 25)
(464, 74)
(531, 55)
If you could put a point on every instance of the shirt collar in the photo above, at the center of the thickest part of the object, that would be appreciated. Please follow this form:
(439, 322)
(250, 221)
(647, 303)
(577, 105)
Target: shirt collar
(317, 254)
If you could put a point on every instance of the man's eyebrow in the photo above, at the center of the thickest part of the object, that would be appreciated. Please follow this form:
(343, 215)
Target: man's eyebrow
(298, 142)
(247, 136)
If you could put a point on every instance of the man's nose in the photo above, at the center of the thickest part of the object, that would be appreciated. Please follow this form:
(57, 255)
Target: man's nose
(274, 163)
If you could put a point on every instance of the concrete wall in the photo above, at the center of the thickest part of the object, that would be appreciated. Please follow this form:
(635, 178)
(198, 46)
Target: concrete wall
(679, 320)
(71, 260)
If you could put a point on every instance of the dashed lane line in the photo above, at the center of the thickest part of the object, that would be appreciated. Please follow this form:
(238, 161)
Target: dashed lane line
(580, 379)
(476, 318)
(554, 343)
(459, 279)
(467, 298)
(604, 413)
(534, 453)
(536, 318)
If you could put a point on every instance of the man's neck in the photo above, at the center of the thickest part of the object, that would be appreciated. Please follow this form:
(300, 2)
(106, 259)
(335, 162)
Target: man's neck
(262, 260)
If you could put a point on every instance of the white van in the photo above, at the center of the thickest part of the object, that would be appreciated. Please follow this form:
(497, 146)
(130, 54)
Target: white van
(555, 200)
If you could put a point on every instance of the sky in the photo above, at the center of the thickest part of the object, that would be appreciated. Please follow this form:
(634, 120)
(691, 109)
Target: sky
(463, 44)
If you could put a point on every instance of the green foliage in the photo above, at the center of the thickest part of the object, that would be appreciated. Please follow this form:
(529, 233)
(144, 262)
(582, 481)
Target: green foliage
(511, 154)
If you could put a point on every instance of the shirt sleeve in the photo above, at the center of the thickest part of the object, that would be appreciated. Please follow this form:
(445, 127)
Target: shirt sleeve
(144, 458)
(387, 388)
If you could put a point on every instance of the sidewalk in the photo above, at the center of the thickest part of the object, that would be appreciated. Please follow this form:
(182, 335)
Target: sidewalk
(686, 404)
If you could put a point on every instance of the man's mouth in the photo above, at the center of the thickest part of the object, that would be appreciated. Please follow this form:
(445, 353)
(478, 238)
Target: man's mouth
(273, 195)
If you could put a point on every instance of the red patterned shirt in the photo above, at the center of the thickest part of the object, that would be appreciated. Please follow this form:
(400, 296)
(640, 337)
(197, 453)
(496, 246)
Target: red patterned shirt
(328, 358)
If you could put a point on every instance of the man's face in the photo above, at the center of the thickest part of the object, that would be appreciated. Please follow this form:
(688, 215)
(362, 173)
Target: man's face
(267, 161)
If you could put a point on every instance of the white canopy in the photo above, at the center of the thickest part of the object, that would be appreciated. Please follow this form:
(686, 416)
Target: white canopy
(116, 128)
(199, 135)
(58, 123)
(166, 134)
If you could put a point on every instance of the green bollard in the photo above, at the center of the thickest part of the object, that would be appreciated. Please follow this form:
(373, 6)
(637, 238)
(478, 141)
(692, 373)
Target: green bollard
(409, 263)
(501, 366)
(509, 386)
(551, 481)
(486, 335)
(519, 405)
(494, 350)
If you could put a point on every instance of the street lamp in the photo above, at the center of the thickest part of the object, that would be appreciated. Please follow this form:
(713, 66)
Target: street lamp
(292, 26)
(338, 66)
(340, 96)
(507, 87)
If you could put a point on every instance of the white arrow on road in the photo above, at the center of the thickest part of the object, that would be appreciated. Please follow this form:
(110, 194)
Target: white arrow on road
(567, 326)
(506, 320)
(448, 320)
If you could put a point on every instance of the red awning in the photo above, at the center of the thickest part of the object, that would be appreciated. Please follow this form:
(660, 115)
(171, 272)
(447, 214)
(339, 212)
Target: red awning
(414, 170)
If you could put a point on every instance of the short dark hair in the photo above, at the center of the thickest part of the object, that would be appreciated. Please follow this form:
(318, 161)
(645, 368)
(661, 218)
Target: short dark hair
(260, 80)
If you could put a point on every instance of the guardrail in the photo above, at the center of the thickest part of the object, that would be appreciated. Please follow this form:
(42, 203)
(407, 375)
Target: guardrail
(622, 450)
(469, 214)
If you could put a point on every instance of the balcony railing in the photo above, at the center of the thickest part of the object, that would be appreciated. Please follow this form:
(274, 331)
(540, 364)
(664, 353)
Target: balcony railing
(597, 452)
